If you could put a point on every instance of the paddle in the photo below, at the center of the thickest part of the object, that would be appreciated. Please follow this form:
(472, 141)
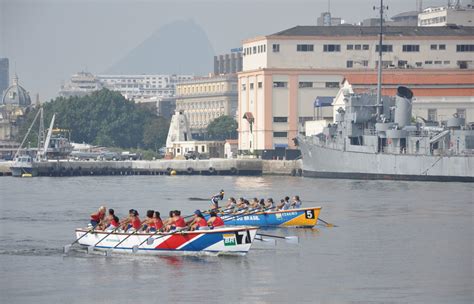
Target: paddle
(91, 248)
(197, 199)
(245, 214)
(289, 239)
(270, 242)
(109, 251)
(68, 247)
(327, 224)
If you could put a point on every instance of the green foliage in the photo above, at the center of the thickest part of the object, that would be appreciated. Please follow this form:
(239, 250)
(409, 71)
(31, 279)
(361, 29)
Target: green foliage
(105, 118)
(223, 127)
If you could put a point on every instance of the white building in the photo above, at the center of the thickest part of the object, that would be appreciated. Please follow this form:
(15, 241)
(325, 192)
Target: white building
(80, 84)
(447, 15)
(143, 88)
(284, 73)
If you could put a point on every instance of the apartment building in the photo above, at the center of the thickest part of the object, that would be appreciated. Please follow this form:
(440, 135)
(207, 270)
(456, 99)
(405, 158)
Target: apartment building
(285, 73)
(204, 99)
(447, 15)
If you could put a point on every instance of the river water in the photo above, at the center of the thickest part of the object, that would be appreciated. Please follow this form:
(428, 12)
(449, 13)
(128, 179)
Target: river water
(396, 242)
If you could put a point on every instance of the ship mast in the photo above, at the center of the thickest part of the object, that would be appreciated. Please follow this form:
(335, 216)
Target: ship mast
(381, 9)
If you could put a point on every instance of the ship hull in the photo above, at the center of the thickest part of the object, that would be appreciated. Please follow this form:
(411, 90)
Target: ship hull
(325, 162)
(20, 171)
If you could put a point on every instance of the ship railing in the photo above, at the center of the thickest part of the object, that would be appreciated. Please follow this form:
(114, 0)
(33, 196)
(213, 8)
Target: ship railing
(370, 132)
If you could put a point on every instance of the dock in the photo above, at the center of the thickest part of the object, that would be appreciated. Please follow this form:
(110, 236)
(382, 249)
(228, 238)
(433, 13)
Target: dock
(215, 166)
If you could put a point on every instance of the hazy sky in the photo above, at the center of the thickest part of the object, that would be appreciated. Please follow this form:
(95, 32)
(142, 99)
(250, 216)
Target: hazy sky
(48, 40)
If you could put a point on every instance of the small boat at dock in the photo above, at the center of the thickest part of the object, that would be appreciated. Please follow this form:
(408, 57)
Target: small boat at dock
(227, 240)
(301, 217)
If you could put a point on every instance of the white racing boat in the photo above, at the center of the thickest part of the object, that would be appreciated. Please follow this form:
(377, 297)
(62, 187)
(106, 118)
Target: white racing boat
(233, 240)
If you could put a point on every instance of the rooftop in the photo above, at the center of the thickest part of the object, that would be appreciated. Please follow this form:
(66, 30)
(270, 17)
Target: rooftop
(353, 30)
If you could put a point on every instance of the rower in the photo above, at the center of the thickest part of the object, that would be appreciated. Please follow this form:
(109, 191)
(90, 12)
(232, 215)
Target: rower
(177, 223)
(281, 205)
(270, 204)
(296, 202)
(112, 220)
(214, 220)
(254, 203)
(231, 203)
(135, 221)
(125, 223)
(241, 203)
(156, 223)
(98, 216)
(216, 198)
(199, 222)
(287, 203)
(262, 204)
(149, 219)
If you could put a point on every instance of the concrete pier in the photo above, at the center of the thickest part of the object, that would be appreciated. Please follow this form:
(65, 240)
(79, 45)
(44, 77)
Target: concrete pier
(165, 167)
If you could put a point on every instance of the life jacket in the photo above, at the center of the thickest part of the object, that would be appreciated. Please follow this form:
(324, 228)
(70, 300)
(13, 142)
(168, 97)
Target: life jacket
(136, 224)
(217, 222)
(179, 222)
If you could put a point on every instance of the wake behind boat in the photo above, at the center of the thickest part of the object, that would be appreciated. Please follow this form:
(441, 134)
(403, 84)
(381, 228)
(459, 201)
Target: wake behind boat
(229, 240)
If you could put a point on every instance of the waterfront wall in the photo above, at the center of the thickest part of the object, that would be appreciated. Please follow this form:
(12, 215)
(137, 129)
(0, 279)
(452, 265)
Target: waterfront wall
(165, 167)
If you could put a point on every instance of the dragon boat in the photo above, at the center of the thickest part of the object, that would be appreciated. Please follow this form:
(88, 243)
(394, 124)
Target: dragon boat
(301, 217)
(226, 240)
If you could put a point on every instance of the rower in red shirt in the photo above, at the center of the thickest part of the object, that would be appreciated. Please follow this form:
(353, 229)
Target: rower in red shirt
(215, 220)
(135, 221)
(156, 223)
(98, 216)
(199, 222)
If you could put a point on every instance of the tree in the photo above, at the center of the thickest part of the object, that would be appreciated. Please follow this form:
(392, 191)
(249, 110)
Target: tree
(223, 127)
(103, 118)
(155, 133)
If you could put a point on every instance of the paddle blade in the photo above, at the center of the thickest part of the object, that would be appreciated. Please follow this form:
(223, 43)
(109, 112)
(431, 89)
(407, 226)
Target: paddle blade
(269, 242)
(135, 249)
(90, 249)
(67, 248)
(292, 239)
(108, 252)
(150, 241)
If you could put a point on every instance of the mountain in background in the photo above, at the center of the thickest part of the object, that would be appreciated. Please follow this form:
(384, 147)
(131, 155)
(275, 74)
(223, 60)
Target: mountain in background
(180, 47)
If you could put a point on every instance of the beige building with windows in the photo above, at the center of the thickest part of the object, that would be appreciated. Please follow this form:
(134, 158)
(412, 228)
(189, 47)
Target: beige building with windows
(447, 15)
(204, 99)
(285, 73)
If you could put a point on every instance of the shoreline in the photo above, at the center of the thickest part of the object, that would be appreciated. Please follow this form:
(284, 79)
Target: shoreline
(214, 166)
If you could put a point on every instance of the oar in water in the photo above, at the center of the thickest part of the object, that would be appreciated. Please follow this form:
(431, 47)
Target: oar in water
(327, 224)
(91, 248)
(109, 251)
(270, 242)
(292, 239)
(68, 247)
(198, 199)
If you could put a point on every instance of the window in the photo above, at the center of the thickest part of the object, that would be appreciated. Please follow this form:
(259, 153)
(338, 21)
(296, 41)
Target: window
(365, 63)
(411, 48)
(437, 62)
(432, 115)
(255, 50)
(260, 84)
(280, 84)
(280, 134)
(465, 48)
(280, 119)
(402, 63)
(350, 47)
(385, 63)
(304, 47)
(349, 64)
(264, 48)
(357, 47)
(447, 62)
(251, 86)
(244, 86)
(442, 47)
(332, 48)
(428, 62)
(305, 84)
(276, 48)
(386, 48)
(461, 113)
(434, 47)
(332, 84)
(418, 63)
(365, 47)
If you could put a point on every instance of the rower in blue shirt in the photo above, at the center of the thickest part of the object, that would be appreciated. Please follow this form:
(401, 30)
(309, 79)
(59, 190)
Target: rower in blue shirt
(216, 198)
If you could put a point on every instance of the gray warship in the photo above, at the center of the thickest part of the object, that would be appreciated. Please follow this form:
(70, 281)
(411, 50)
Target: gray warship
(371, 140)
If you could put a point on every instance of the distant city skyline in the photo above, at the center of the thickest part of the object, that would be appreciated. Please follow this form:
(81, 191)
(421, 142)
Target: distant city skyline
(47, 41)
